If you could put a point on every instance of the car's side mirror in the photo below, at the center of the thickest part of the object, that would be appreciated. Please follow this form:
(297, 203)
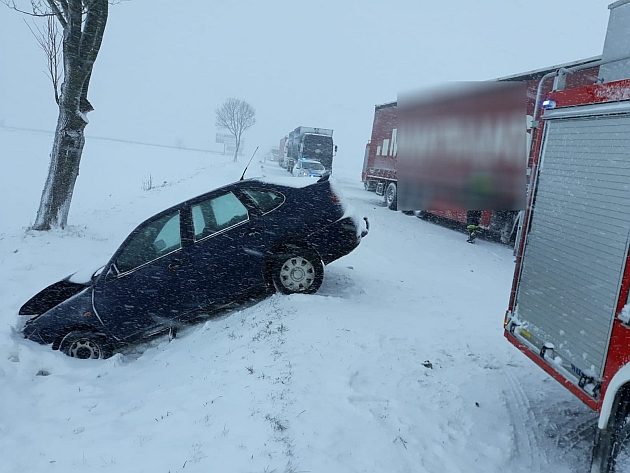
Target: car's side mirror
(97, 273)
(112, 272)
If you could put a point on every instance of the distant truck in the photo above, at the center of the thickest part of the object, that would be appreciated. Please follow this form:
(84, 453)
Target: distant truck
(282, 152)
(380, 165)
(309, 143)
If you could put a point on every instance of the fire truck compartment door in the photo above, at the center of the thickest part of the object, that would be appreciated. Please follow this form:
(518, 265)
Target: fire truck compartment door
(578, 239)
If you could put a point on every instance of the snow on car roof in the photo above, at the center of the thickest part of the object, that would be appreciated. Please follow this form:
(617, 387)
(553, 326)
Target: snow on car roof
(289, 181)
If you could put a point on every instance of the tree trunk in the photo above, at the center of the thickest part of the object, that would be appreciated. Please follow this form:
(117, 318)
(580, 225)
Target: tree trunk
(63, 170)
(238, 145)
(82, 36)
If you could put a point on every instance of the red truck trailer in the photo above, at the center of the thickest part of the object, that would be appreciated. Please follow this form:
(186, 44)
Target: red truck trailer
(381, 155)
(568, 310)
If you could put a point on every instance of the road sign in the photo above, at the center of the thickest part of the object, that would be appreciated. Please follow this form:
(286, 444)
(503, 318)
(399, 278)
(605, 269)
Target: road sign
(225, 138)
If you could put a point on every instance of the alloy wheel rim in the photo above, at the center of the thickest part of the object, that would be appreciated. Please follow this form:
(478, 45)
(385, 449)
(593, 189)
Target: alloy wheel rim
(85, 349)
(297, 274)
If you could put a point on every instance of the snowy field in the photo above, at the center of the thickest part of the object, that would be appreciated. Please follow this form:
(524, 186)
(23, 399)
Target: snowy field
(398, 364)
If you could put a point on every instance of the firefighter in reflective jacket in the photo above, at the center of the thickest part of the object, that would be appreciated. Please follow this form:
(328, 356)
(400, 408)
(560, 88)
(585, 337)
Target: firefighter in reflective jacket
(473, 218)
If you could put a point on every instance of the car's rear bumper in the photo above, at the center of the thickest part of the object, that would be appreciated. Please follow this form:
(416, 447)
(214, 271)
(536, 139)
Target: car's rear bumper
(339, 238)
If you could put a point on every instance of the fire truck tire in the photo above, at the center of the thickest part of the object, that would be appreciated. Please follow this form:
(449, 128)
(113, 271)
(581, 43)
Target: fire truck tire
(391, 196)
(612, 440)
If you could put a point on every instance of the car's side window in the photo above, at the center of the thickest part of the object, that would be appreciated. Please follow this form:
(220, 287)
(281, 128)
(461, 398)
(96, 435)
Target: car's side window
(264, 199)
(153, 240)
(216, 214)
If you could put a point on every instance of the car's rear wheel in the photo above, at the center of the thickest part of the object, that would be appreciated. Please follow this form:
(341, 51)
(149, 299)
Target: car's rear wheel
(84, 345)
(301, 272)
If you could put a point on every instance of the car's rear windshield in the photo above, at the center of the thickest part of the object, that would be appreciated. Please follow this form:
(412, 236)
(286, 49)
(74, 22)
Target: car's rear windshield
(312, 165)
(266, 200)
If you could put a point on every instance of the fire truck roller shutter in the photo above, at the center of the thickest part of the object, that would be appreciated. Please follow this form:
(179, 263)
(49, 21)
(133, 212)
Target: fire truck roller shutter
(578, 238)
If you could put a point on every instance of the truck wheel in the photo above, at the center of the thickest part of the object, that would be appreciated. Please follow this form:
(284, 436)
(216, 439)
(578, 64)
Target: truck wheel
(301, 272)
(505, 234)
(612, 440)
(391, 196)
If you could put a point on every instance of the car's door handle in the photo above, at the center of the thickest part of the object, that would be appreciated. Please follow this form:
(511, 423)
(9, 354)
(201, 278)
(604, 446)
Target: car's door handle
(175, 265)
(253, 232)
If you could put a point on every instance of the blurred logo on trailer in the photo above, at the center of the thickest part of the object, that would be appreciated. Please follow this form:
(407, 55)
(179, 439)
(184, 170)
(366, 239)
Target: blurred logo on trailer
(463, 146)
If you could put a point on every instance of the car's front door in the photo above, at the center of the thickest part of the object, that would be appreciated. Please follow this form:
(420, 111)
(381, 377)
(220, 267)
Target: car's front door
(143, 289)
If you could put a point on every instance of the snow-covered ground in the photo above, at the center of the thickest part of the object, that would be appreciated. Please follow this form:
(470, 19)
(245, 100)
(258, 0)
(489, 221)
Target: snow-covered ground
(398, 364)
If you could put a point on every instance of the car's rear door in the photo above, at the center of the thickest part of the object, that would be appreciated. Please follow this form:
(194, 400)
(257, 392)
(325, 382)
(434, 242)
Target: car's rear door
(228, 248)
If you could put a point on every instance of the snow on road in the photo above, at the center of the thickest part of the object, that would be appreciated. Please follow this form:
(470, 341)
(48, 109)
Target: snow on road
(398, 364)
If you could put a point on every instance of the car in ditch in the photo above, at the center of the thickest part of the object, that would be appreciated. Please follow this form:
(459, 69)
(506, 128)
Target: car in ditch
(195, 258)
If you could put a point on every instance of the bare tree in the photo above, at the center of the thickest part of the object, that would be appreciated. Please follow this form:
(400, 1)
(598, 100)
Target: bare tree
(236, 116)
(82, 24)
(50, 41)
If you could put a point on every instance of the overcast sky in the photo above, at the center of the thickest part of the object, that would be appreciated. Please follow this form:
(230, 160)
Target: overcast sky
(165, 66)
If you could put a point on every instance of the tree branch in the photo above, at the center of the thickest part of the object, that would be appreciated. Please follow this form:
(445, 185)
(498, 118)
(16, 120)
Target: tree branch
(91, 40)
(57, 13)
(93, 30)
(49, 41)
(13, 6)
(64, 6)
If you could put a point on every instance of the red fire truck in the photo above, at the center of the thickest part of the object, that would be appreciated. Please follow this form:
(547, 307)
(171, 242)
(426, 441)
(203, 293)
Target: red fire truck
(380, 160)
(568, 309)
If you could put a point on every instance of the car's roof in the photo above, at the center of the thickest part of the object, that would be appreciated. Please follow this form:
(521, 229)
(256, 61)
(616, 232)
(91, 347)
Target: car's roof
(277, 183)
(309, 160)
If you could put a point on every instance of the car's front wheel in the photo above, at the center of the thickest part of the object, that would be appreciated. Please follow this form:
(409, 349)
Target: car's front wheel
(84, 345)
(299, 273)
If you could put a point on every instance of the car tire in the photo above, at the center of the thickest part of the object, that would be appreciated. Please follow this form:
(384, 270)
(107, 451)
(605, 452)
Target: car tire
(298, 272)
(391, 196)
(85, 345)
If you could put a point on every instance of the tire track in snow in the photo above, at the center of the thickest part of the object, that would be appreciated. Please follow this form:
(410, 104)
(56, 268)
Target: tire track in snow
(572, 431)
(273, 334)
(576, 435)
(525, 427)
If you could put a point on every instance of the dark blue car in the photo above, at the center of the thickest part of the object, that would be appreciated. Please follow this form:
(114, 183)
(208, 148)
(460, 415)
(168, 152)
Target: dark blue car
(196, 258)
